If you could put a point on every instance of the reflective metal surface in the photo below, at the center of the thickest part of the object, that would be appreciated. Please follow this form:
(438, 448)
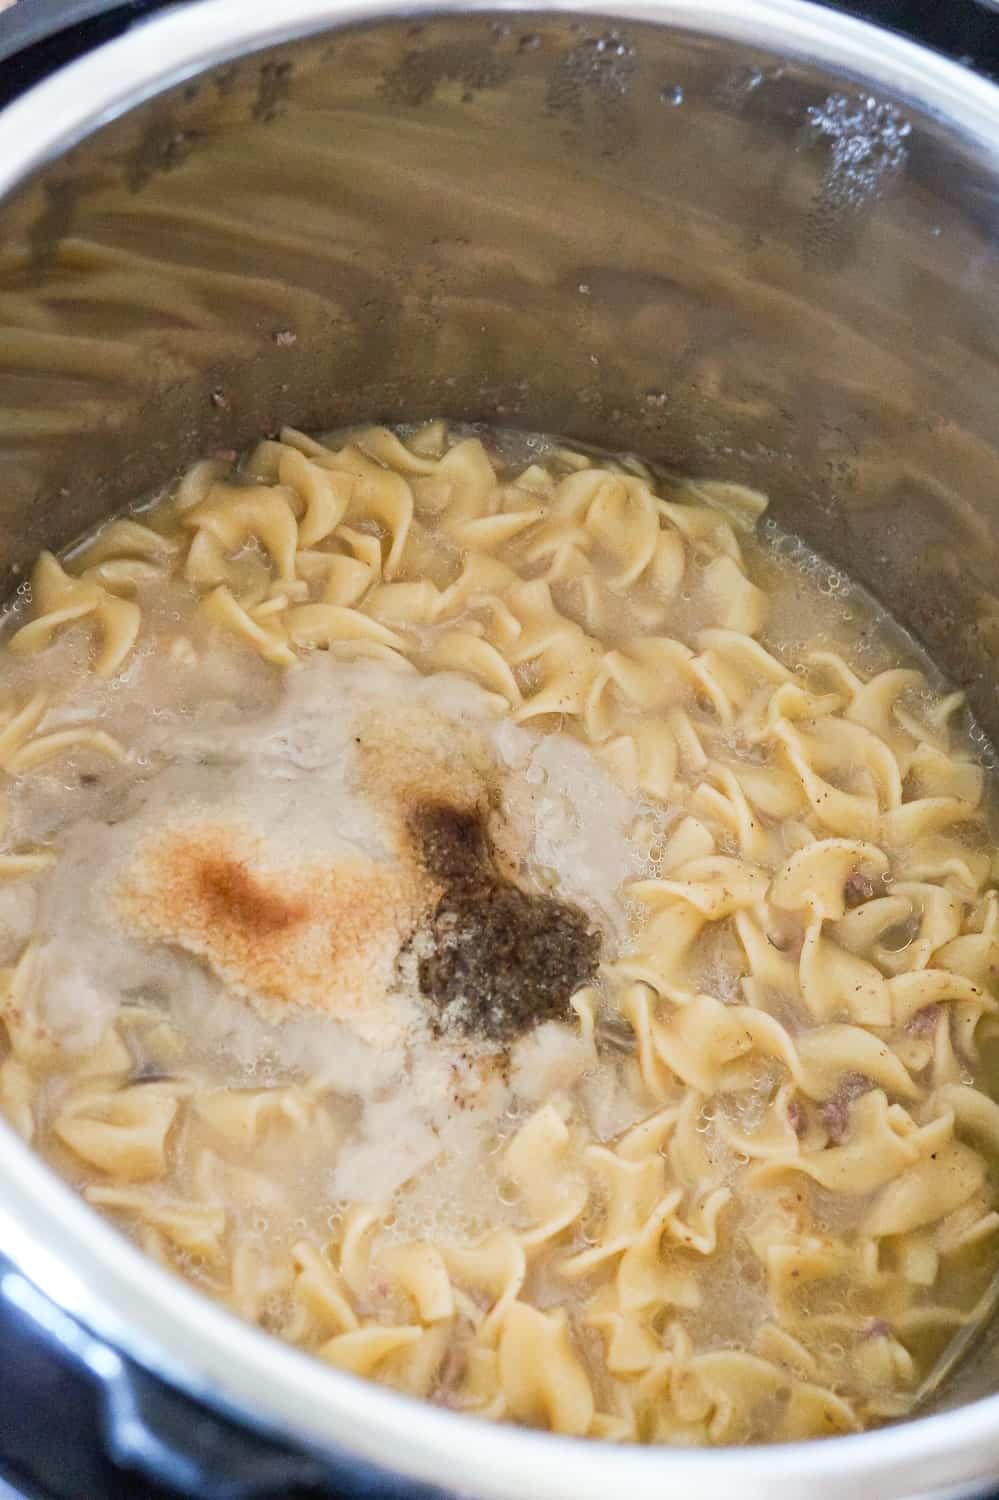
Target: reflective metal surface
(753, 240)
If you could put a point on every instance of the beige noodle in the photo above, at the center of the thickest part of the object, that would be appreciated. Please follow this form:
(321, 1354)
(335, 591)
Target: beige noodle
(743, 1188)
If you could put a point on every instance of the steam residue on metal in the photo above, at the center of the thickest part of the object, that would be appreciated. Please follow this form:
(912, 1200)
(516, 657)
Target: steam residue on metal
(868, 141)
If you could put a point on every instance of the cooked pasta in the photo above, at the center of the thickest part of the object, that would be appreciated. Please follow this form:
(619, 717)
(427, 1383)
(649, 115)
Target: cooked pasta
(517, 928)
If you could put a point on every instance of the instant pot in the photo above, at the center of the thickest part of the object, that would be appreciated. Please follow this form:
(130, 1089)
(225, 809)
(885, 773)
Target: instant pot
(752, 238)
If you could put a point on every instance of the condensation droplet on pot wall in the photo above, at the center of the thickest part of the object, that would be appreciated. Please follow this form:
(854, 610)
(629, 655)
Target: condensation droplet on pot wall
(868, 144)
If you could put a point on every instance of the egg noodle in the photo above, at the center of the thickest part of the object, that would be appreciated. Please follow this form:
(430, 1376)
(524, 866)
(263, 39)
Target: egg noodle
(736, 1181)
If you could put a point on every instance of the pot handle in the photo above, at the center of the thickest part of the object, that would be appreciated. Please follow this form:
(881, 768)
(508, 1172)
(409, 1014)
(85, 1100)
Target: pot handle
(159, 1433)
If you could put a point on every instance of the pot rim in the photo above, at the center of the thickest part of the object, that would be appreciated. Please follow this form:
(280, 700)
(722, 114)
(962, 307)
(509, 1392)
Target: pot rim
(90, 1270)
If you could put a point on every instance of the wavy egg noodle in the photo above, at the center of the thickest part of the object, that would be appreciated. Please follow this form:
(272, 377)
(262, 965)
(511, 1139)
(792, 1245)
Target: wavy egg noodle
(518, 927)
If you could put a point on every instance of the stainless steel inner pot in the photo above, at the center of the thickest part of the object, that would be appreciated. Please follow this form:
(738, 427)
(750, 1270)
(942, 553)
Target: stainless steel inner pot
(746, 238)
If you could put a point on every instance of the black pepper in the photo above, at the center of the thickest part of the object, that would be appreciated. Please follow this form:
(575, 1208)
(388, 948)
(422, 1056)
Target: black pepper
(501, 960)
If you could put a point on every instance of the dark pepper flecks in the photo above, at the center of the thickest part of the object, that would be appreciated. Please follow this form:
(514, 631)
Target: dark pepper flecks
(501, 959)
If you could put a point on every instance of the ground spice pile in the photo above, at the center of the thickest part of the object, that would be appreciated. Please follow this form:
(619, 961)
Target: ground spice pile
(496, 960)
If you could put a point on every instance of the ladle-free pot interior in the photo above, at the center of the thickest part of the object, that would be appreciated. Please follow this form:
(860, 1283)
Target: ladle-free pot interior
(755, 242)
